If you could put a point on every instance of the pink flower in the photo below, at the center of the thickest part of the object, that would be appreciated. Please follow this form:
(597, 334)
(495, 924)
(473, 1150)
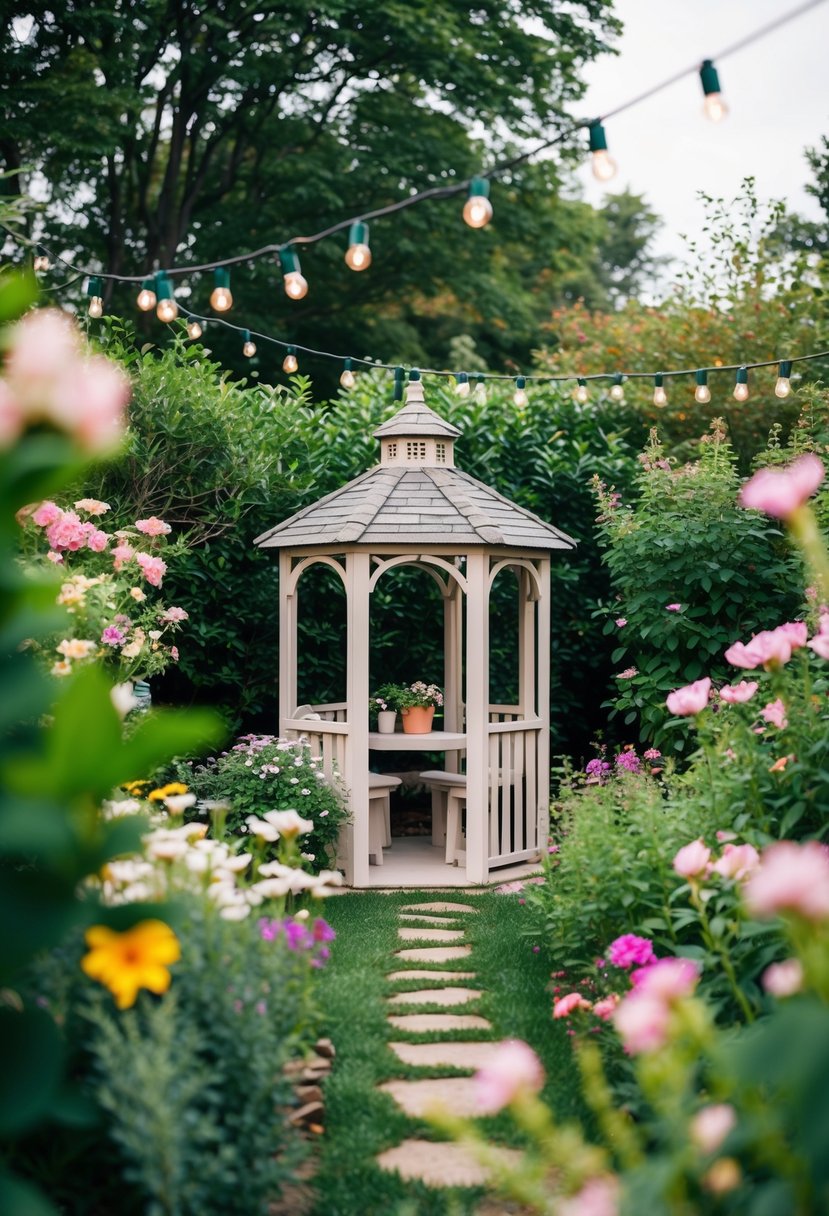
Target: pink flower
(175, 614)
(820, 644)
(91, 405)
(57, 558)
(735, 694)
(775, 713)
(692, 860)
(113, 636)
(796, 632)
(605, 1008)
(621, 622)
(92, 506)
(67, 532)
(710, 1126)
(791, 878)
(598, 1197)
(783, 979)
(153, 568)
(642, 1022)
(737, 861)
(47, 513)
(667, 978)
(121, 553)
(723, 836)
(174, 653)
(514, 1069)
(628, 673)
(673, 607)
(770, 648)
(153, 526)
(96, 540)
(564, 1006)
(779, 492)
(691, 699)
(12, 420)
(653, 753)
(630, 950)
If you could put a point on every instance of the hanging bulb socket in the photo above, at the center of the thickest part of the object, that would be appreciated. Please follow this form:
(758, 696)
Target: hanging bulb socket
(221, 298)
(166, 309)
(617, 392)
(146, 300)
(414, 375)
(347, 377)
(399, 375)
(480, 388)
(296, 287)
(783, 386)
(520, 395)
(94, 290)
(249, 346)
(194, 328)
(462, 384)
(41, 260)
(581, 394)
(660, 397)
(741, 385)
(477, 210)
(702, 393)
(289, 363)
(358, 254)
(714, 106)
(603, 166)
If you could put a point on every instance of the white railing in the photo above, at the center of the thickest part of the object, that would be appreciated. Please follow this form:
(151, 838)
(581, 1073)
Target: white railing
(513, 786)
(327, 736)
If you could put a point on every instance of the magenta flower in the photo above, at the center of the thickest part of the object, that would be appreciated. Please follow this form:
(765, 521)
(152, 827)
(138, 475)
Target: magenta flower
(735, 694)
(791, 878)
(630, 950)
(775, 713)
(691, 699)
(692, 860)
(779, 492)
(597, 768)
(113, 636)
(673, 607)
(629, 762)
(621, 621)
(322, 931)
(514, 1070)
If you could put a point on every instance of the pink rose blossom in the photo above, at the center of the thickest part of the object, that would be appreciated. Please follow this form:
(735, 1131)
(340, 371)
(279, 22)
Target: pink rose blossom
(779, 492)
(598, 1197)
(121, 553)
(673, 607)
(710, 1126)
(791, 878)
(153, 568)
(91, 405)
(735, 694)
(174, 653)
(820, 644)
(605, 1008)
(783, 979)
(642, 1022)
(667, 978)
(92, 506)
(153, 526)
(47, 513)
(652, 753)
(737, 861)
(692, 860)
(175, 614)
(691, 699)
(723, 836)
(564, 1006)
(770, 648)
(12, 420)
(514, 1069)
(96, 540)
(67, 532)
(796, 632)
(57, 558)
(775, 713)
(630, 950)
(621, 621)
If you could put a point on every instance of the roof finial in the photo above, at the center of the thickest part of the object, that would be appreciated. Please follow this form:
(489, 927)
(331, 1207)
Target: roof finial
(414, 389)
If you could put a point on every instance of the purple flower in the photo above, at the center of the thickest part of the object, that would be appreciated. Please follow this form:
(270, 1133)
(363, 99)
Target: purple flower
(673, 607)
(621, 621)
(112, 636)
(322, 931)
(628, 761)
(297, 936)
(269, 930)
(597, 768)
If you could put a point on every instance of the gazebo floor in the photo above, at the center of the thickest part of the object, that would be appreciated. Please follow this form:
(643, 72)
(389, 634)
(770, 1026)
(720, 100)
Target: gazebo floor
(413, 861)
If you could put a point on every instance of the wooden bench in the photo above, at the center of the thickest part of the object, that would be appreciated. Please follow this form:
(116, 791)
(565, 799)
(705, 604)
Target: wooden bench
(380, 786)
(447, 789)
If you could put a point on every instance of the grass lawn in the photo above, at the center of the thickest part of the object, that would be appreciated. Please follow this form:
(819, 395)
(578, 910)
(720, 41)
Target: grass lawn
(361, 1121)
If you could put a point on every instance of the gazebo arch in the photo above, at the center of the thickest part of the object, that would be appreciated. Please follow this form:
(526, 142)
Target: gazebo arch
(416, 508)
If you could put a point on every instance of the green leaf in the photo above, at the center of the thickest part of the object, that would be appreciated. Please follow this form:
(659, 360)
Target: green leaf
(31, 1059)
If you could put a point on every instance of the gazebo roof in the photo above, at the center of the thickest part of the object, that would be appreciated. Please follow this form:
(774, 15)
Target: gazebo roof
(422, 500)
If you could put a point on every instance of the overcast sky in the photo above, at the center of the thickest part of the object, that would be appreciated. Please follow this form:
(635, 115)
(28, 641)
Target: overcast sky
(777, 91)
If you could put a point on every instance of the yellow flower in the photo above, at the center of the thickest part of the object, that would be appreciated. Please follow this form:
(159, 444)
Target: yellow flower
(136, 788)
(164, 791)
(138, 958)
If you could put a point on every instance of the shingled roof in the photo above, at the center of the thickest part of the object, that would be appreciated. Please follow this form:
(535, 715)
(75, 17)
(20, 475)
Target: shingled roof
(415, 497)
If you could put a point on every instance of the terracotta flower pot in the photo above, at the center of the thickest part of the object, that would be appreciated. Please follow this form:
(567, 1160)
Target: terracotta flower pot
(417, 719)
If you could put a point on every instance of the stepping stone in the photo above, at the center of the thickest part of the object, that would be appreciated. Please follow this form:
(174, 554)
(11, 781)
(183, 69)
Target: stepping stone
(436, 1055)
(442, 1164)
(436, 996)
(440, 905)
(457, 1094)
(432, 920)
(433, 954)
(430, 975)
(418, 1023)
(411, 934)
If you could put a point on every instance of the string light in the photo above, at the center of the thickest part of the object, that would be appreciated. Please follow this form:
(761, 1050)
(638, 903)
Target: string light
(289, 363)
(520, 395)
(347, 377)
(249, 347)
(660, 397)
(581, 394)
(94, 289)
(617, 392)
(41, 260)
(358, 254)
(194, 329)
(604, 166)
(399, 375)
(166, 309)
(477, 210)
(741, 386)
(783, 386)
(295, 285)
(462, 384)
(221, 298)
(714, 106)
(146, 296)
(702, 393)
(480, 389)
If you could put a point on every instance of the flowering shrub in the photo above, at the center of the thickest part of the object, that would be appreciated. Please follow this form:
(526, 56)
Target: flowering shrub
(408, 696)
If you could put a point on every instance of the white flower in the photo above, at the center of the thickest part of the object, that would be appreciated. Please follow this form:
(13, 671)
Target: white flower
(235, 912)
(155, 634)
(262, 829)
(275, 869)
(121, 806)
(132, 650)
(289, 823)
(236, 864)
(177, 804)
(272, 888)
(295, 781)
(166, 848)
(304, 791)
(302, 914)
(124, 699)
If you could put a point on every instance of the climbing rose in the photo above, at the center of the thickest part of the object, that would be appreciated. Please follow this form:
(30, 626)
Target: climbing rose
(153, 568)
(630, 950)
(779, 492)
(791, 878)
(47, 513)
(735, 694)
(775, 713)
(153, 526)
(692, 860)
(711, 1125)
(783, 979)
(514, 1070)
(691, 699)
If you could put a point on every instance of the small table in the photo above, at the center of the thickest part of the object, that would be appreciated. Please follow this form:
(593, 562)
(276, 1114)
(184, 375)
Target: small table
(432, 741)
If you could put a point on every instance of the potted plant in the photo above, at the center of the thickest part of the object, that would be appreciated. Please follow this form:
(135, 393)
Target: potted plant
(417, 703)
(382, 709)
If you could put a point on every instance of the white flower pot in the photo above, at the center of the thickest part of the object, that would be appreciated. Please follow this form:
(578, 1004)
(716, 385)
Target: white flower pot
(385, 721)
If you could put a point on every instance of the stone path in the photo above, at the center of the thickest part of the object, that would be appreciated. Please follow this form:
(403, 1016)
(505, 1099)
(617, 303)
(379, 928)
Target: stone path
(437, 1164)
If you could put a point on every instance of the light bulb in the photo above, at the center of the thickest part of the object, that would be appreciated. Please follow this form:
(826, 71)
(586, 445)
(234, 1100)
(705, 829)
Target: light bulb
(480, 391)
(194, 330)
(41, 262)
(604, 166)
(617, 392)
(348, 379)
(146, 299)
(783, 386)
(358, 257)
(295, 285)
(520, 395)
(581, 394)
(289, 363)
(249, 349)
(221, 299)
(462, 386)
(702, 394)
(477, 211)
(167, 309)
(96, 306)
(741, 392)
(714, 107)
(660, 397)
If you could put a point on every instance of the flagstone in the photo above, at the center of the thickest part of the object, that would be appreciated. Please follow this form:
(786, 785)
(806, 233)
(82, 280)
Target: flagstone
(438, 905)
(412, 933)
(442, 1164)
(418, 974)
(431, 920)
(435, 1055)
(436, 996)
(415, 1098)
(433, 954)
(419, 1023)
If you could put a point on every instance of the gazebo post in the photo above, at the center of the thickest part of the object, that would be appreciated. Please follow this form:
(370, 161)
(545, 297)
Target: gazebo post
(477, 717)
(543, 695)
(358, 574)
(287, 639)
(527, 642)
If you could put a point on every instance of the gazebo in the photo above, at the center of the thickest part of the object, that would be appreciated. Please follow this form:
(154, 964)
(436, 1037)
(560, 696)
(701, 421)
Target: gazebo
(415, 508)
